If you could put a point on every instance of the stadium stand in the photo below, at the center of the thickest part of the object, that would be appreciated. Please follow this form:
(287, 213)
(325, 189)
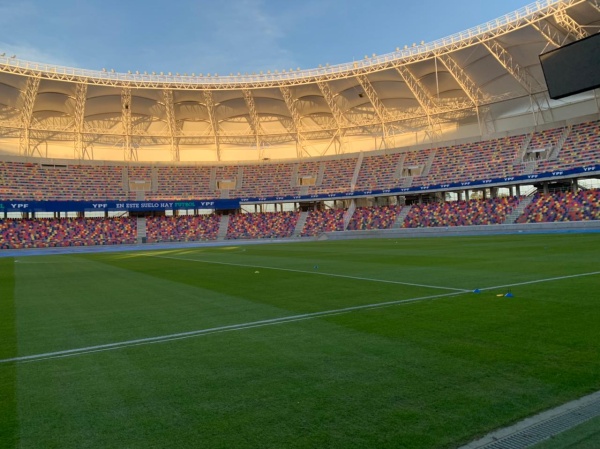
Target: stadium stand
(29, 181)
(563, 206)
(460, 213)
(456, 163)
(53, 232)
(183, 228)
(325, 220)
(373, 217)
(262, 225)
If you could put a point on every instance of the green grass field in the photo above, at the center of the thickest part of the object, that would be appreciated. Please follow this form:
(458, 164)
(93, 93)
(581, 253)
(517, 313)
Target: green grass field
(351, 344)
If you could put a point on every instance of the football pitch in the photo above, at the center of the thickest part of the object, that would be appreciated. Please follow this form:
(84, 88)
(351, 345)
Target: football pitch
(379, 343)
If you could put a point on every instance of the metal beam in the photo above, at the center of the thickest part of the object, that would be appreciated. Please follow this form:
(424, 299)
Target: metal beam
(254, 120)
(27, 101)
(172, 124)
(81, 149)
(568, 24)
(506, 60)
(210, 107)
(549, 33)
(380, 110)
(340, 119)
(290, 102)
(464, 81)
(130, 152)
(425, 101)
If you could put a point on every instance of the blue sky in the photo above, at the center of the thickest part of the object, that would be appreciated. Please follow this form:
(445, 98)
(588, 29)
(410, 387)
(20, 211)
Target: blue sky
(228, 35)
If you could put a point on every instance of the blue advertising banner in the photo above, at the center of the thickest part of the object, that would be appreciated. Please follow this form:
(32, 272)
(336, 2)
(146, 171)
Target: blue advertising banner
(81, 206)
(220, 204)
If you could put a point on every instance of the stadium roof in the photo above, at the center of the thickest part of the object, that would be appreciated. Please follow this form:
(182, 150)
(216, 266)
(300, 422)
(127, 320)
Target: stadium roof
(478, 82)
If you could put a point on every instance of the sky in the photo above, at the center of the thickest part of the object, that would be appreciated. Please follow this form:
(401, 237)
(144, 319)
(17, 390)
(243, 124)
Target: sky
(228, 36)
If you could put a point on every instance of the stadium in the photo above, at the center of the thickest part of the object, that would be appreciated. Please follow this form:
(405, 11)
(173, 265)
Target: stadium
(400, 251)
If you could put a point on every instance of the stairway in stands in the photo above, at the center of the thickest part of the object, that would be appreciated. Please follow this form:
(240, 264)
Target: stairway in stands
(223, 225)
(517, 211)
(401, 216)
(141, 229)
(300, 224)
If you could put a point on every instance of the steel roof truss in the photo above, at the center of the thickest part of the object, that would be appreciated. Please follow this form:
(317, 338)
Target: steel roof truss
(302, 144)
(379, 108)
(506, 60)
(567, 23)
(550, 33)
(340, 119)
(464, 81)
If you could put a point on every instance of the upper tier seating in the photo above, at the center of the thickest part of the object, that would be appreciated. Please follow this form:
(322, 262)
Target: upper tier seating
(26, 181)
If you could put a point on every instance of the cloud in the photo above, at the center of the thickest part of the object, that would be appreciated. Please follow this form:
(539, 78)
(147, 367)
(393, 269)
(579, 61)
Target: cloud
(27, 52)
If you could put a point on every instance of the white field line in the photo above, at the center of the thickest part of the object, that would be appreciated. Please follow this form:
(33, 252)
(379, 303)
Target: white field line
(255, 324)
(558, 278)
(213, 330)
(385, 281)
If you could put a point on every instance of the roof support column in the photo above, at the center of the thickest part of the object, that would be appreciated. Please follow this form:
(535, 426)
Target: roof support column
(129, 151)
(210, 107)
(27, 99)
(254, 121)
(81, 150)
(172, 124)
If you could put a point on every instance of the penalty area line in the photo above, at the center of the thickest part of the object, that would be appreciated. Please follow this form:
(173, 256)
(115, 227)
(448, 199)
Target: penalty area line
(344, 276)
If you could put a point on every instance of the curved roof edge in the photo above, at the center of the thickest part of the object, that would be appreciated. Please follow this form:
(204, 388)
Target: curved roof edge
(521, 17)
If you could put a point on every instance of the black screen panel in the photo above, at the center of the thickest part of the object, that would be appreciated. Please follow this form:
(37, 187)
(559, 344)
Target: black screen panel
(573, 68)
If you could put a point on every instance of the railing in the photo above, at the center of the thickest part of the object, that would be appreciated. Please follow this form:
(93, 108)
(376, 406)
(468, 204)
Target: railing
(400, 54)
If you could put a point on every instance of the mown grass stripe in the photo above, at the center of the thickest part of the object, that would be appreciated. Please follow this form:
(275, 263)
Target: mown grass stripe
(8, 349)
